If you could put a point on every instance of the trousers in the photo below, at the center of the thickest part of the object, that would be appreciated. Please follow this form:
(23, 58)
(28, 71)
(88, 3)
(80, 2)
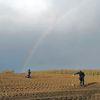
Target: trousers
(81, 80)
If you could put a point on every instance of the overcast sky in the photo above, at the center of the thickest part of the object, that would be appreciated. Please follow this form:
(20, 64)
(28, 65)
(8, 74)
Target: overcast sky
(71, 39)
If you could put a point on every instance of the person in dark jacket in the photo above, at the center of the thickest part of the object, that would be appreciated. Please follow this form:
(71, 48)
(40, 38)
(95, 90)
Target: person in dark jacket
(81, 77)
(28, 73)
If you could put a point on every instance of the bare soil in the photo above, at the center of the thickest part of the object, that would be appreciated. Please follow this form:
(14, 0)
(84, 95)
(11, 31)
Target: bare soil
(48, 87)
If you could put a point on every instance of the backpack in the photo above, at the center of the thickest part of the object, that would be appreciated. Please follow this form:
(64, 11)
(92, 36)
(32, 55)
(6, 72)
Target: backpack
(83, 75)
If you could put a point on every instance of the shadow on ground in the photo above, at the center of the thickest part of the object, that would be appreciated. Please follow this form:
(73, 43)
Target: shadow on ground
(90, 83)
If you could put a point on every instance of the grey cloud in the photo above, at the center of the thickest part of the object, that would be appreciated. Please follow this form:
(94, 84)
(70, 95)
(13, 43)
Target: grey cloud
(72, 40)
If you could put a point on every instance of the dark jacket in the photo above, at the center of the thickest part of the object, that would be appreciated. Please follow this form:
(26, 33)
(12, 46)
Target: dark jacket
(81, 74)
(29, 72)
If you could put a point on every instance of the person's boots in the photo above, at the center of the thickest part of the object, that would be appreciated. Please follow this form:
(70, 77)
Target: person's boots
(83, 83)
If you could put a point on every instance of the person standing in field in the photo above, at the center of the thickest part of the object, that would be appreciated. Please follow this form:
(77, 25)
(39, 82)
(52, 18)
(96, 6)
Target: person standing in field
(28, 73)
(81, 77)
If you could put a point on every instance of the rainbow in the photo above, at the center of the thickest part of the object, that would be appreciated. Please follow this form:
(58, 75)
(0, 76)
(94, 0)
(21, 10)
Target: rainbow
(35, 47)
(39, 41)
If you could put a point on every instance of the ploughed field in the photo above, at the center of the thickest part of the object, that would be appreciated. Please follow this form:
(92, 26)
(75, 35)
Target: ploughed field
(48, 87)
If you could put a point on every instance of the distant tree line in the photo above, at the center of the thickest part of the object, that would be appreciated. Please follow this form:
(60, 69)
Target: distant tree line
(8, 71)
(66, 71)
(61, 71)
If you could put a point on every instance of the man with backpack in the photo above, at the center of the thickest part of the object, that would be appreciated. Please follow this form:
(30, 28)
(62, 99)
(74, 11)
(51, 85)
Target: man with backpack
(81, 77)
(28, 73)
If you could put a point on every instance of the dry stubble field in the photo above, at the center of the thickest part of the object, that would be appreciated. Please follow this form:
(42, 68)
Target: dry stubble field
(48, 87)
